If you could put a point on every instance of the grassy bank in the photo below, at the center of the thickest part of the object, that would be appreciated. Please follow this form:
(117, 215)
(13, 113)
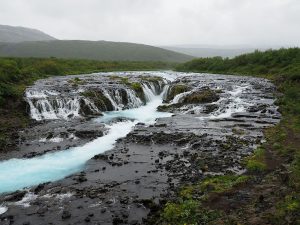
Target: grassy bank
(273, 178)
(17, 73)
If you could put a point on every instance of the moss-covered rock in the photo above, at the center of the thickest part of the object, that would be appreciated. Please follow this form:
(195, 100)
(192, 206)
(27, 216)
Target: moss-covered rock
(203, 96)
(137, 87)
(175, 90)
(76, 81)
(169, 108)
(100, 101)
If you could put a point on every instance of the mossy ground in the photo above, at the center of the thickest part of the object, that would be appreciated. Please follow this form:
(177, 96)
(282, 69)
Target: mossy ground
(191, 206)
(271, 194)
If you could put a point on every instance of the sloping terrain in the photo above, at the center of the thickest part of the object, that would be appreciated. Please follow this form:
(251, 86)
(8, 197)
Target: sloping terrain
(210, 52)
(20, 34)
(98, 50)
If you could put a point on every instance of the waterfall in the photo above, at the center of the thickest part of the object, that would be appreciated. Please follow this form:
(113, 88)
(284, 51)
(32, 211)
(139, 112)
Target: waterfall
(55, 104)
(180, 96)
(112, 101)
(48, 104)
(149, 93)
(133, 100)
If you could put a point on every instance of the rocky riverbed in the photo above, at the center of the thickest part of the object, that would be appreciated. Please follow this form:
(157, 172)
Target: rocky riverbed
(214, 122)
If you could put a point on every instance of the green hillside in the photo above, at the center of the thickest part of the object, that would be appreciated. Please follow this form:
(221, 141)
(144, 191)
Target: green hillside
(272, 62)
(20, 34)
(96, 50)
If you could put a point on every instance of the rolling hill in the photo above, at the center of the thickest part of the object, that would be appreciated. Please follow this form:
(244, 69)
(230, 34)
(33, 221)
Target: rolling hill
(20, 34)
(97, 50)
(203, 52)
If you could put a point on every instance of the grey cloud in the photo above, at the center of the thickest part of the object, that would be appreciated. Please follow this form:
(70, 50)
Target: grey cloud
(161, 22)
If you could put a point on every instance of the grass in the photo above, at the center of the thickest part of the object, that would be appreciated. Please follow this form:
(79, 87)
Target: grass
(190, 206)
(189, 212)
(256, 162)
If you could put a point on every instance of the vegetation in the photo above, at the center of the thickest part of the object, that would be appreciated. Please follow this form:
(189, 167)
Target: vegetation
(190, 207)
(283, 62)
(203, 96)
(279, 157)
(17, 73)
(256, 162)
(93, 50)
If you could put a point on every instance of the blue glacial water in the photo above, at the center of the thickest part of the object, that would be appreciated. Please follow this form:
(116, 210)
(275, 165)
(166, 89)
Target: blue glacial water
(17, 174)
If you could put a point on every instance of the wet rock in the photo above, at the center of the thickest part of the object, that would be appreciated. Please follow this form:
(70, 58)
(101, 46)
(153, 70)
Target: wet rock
(15, 197)
(86, 134)
(66, 215)
(117, 221)
(210, 108)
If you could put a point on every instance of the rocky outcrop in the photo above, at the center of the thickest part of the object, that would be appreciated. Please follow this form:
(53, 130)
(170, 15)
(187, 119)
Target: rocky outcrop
(205, 95)
(176, 89)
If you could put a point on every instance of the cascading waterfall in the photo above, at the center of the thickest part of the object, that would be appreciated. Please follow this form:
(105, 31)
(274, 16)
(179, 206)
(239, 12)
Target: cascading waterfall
(149, 93)
(133, 100)
(180, 96)
(21, 173)
(231, 104)
(50, 105)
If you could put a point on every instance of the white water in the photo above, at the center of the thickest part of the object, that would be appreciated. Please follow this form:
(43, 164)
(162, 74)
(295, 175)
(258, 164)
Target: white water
(51, 105)
(3, 209)
(236, 104)
(20, 173)
(178, 98)
(145, 114)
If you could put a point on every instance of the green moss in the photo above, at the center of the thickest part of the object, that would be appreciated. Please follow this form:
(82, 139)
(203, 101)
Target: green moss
(175, 90)
(151, 78)
(256, 162)
(169, 108)
(76, 81)
(115, 77)
(216, 184)
(101, 101)
(125, 80)
(221, 184)
(187, 212)
(286, 208)
(204, 96)
(190, 209)
(137, 87)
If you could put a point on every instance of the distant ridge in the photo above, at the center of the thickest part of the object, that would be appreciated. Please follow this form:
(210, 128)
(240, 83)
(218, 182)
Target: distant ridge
(20, 34)
(97, 50)
(203, 52)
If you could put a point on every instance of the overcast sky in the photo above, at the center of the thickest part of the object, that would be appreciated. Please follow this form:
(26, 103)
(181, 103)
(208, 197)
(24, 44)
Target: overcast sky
(161, 22)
